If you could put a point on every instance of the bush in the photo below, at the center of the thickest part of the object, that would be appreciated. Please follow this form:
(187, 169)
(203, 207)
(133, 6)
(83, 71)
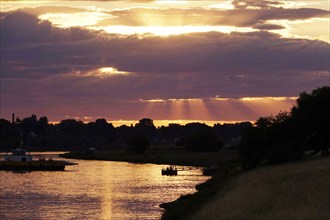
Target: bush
(138, 144)
(204, 140)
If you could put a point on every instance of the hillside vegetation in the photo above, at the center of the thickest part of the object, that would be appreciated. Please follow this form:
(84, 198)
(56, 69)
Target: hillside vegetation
(290, 191)
(289, 136)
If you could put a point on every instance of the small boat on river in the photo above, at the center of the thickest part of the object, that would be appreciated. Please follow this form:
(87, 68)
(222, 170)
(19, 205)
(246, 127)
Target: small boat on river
(20, 159)
(170, 171)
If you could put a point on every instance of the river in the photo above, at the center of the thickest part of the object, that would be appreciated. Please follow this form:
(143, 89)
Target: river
(93, 190)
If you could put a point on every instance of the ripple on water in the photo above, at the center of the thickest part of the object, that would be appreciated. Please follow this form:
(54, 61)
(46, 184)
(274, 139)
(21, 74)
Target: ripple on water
(93, 190)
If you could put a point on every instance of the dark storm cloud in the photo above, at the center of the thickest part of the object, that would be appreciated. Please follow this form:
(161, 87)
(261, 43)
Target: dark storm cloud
(30, 46)
(193, 65)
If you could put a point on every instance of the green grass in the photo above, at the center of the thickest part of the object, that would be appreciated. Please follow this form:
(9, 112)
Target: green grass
(291, 191)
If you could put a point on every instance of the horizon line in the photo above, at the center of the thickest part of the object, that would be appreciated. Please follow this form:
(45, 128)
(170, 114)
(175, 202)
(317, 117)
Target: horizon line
(159, 123)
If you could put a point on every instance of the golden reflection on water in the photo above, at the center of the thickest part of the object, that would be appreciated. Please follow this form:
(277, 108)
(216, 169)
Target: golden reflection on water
(93, 190)
(106, 197)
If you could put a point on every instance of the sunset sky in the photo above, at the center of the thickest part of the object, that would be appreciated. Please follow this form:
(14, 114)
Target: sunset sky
(179, 61)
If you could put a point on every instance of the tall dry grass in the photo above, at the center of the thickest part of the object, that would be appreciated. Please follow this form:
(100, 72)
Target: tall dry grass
(291, 191)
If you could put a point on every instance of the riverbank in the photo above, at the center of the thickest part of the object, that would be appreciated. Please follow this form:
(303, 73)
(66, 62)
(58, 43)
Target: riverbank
(187, 205)
(290, 191)
(295, 190)
(162, 155)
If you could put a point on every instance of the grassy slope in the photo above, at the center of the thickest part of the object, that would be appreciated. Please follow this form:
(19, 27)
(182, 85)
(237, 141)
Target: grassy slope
(290, 191)
(187, 205)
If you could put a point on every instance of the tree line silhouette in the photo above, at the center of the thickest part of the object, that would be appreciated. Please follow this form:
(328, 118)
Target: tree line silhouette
(38, 134)
(289, 136)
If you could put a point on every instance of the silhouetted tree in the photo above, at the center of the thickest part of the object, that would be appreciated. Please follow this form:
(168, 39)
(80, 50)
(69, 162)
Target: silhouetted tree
(146, 127)
(139, 144)
(145, 123)
(173, 133)
(70, 127)
(311, 116)
(202, 140)
(28, 128)
(230, 134)
(124, 133)
(70, 134)
(10, 136)
(286, 136)
(42, 126)
(101, 133)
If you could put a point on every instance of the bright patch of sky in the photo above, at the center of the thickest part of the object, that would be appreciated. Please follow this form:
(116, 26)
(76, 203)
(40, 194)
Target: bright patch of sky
(169, 30)
(313, 28)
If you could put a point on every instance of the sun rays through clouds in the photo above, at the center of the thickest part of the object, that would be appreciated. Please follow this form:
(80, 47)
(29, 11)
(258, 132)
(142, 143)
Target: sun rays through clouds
(168, 60)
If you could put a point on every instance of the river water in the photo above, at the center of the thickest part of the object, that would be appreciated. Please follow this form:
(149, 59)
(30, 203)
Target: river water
(93, 190)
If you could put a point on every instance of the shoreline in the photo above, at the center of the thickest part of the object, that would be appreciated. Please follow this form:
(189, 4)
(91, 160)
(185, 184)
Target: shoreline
(187, 205)
(295, 190)
(181, 208)
(156, 156)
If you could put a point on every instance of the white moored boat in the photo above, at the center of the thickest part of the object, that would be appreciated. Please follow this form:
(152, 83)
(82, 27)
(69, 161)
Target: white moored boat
(20, 159)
